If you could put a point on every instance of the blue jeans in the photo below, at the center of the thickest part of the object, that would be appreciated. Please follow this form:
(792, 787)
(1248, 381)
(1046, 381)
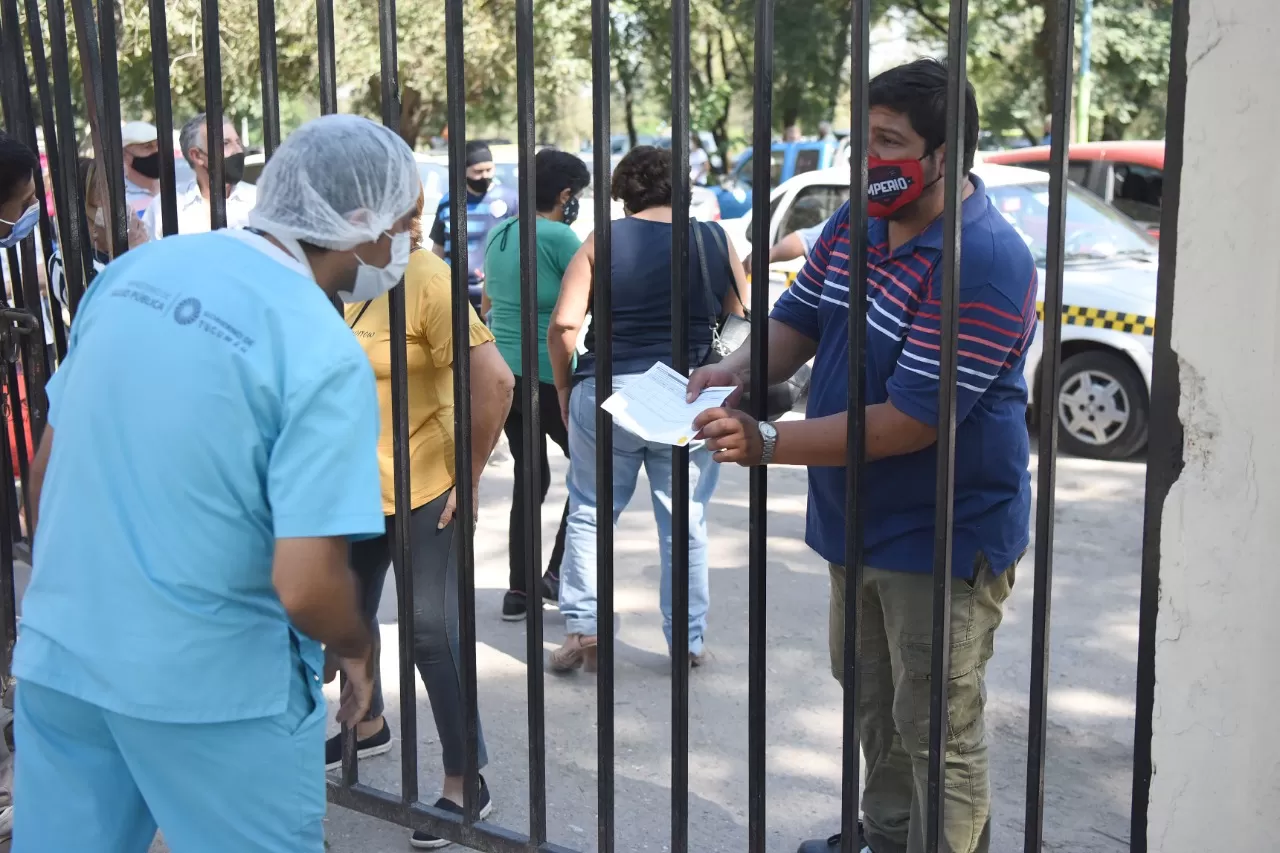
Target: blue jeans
(578, 572)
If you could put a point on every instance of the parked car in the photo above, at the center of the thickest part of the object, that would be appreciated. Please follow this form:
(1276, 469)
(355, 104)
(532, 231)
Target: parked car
(786, 160)
(1128, 175)
(1109, 292)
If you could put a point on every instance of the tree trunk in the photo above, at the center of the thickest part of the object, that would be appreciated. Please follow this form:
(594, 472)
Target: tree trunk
(1046, 50)
(626, 78)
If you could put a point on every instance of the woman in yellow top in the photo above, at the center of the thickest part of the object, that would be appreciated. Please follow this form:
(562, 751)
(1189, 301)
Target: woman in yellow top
(435, 537)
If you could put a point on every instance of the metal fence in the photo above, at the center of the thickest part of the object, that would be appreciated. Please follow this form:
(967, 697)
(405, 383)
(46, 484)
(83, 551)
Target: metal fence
(49, 107)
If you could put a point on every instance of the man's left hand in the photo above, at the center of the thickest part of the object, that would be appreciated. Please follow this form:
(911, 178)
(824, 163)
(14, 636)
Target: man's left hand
(733, 436)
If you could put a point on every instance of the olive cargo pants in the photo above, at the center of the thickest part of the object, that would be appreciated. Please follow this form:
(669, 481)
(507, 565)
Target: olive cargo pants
(893, 703)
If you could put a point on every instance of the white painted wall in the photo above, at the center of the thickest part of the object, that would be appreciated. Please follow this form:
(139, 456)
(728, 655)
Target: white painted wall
(1216, 748)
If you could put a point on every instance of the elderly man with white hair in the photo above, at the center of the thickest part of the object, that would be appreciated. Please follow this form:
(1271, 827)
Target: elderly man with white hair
(212, 448)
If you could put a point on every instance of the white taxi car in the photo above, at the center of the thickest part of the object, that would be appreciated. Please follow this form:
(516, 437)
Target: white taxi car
(1109, 295)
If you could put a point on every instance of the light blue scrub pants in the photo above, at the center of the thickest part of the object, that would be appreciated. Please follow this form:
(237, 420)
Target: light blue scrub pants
(93, 780)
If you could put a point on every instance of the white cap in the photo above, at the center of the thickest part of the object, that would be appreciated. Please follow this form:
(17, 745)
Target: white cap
(336, 182)
(137, 133)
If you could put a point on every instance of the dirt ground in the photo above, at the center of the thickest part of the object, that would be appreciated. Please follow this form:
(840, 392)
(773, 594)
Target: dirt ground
(1095, 607)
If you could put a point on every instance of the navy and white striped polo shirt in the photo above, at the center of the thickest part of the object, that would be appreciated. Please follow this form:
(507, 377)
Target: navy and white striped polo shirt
(997, 321)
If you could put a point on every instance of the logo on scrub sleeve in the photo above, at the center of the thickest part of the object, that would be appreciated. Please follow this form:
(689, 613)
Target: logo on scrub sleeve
(187, 311)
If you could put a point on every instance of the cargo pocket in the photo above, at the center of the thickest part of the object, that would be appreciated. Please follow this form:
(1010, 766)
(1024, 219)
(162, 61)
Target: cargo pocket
(966, 695)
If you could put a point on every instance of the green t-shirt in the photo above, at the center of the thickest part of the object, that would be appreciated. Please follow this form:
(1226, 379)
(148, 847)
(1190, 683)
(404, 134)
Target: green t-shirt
(557, 245)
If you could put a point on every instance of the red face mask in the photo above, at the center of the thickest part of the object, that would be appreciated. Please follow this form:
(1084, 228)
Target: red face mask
(893, 184)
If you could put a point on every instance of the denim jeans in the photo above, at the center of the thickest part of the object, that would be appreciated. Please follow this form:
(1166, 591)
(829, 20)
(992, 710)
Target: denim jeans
(578, 572)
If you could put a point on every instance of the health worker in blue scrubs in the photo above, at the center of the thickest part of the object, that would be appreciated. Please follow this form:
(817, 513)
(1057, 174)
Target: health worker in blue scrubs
(211, 450)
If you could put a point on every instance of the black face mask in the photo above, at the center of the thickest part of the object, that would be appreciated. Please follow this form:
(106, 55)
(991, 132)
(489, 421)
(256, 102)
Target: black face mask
(233, 168)
(149, 166)
(570, 212)
(479, 186)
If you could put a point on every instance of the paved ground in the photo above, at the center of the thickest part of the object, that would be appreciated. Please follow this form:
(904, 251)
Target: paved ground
(1094, 651)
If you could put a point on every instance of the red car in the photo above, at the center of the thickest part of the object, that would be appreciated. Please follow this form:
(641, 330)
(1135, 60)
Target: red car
(1128, 174)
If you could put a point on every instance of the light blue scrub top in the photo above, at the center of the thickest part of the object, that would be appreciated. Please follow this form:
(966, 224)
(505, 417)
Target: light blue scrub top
(213, 401)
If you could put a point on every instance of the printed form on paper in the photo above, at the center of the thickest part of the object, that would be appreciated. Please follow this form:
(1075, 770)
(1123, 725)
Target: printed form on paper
(652, 406)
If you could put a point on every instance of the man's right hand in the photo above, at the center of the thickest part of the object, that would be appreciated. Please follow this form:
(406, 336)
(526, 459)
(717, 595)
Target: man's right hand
(711, 376)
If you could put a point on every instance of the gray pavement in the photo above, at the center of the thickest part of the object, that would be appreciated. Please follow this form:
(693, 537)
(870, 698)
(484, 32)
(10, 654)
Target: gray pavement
(1095, 607)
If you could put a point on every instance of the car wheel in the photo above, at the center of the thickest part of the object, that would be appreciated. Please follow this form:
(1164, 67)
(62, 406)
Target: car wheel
(1102, 407)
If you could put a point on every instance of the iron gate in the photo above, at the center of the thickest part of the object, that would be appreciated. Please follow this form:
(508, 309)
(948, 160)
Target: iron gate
(95, 42)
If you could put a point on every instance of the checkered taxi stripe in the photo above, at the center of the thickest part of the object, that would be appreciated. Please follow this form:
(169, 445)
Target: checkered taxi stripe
(1096, 318)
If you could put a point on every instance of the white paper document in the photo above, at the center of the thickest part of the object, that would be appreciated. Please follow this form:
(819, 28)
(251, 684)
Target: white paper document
(652, 406)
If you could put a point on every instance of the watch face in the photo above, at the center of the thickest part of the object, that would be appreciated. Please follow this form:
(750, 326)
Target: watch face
(767, 430)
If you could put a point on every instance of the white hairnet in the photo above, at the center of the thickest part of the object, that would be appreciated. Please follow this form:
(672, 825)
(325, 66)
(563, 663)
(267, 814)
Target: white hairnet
(336, 182)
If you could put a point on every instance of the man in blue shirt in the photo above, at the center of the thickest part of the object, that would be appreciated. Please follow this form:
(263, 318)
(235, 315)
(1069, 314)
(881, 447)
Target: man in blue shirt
(487, 205)
(212, 445)
(906, 163)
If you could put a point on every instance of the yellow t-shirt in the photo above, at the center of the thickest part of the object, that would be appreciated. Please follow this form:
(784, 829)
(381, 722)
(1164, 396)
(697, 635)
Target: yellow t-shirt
(428, 303)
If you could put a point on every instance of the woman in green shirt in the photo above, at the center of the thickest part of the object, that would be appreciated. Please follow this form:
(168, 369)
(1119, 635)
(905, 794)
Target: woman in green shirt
(561, 178)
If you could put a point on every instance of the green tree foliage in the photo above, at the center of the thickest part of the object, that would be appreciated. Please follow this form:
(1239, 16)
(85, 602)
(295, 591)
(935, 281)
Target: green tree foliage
(1011, 56)
(1009, 60)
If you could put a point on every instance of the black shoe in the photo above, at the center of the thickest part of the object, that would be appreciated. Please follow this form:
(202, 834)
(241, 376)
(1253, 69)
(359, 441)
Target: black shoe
(370, 746)
(832, 844)
(551, 589)
(424, 840)
(515, 606)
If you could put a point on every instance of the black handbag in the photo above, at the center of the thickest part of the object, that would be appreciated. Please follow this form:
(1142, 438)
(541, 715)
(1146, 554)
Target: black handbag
(729, 332)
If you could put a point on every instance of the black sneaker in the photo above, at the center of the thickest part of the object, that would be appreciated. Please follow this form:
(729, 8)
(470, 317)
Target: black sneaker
(370, 746)
(551, 589)
(832, 844)
(515, 606)
(424, 840)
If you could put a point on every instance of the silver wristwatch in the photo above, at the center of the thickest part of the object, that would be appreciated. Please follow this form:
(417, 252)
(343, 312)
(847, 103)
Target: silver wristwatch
(769, 440)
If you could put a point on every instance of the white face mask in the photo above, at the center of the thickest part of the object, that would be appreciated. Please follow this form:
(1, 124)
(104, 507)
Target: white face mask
(371, 281)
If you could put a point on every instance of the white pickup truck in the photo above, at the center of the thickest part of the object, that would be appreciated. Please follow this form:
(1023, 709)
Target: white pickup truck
(1109, 294)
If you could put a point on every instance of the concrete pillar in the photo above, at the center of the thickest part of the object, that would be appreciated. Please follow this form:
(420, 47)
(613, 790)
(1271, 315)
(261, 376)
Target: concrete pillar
(1216, 744)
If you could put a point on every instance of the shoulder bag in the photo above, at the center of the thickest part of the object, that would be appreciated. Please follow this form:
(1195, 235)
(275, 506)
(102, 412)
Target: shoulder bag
(729, 332)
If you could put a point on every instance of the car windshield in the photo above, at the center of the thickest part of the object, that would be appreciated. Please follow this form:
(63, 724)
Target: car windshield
(1095, 231)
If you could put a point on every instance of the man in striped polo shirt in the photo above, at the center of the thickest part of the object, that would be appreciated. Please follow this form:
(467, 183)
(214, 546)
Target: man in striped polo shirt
(906, 162)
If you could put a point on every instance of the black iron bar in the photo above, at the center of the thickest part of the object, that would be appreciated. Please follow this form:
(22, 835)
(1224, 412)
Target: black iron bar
(529, 404)
(1047, 417)
(73, 239)
(485, 837)
(402, 552)
(465, 518)
(327, 57)
(1164, 446)
(23, 273)
(109, 129)
(680, 194)
(213, 114)
(8, 595)
(944, 493)
(859, 83)
(35, 41)
(87, 45)
(758, 489)
(602, 332)
(164, 117)
(270, 83)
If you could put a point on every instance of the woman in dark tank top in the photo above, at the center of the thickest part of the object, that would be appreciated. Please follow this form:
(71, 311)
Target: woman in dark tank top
(640, 293)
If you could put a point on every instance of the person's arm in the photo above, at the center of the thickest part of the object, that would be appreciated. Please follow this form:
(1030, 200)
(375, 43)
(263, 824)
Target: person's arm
(323, 486)
(993, 333)
(315, 583)
(486, 304)
(35, 477)
(492, 385)
(736, 299)
(793, 325)
(437, 235)
(567, 319)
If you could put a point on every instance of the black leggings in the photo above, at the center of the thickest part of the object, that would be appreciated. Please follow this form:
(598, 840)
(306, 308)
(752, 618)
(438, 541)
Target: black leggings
(552, 426)
(435, 621)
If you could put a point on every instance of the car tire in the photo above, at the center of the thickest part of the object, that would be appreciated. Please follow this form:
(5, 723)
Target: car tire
(1102, 406)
